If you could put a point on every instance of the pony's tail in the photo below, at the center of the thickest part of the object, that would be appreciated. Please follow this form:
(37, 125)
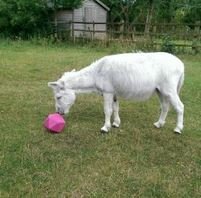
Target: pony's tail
(180, 83)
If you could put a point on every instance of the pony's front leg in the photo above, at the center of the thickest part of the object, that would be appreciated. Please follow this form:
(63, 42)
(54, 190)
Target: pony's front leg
(108, 102)
(117, 120)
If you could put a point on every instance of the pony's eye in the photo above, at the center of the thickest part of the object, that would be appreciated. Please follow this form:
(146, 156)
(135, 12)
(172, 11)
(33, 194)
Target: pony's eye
(62, 88)
(59, 97)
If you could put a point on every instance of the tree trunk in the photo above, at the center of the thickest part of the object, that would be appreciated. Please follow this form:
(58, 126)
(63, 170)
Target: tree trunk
(149, 17)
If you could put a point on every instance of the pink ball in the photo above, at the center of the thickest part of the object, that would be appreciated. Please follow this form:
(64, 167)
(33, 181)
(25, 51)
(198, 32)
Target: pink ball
(54, 123)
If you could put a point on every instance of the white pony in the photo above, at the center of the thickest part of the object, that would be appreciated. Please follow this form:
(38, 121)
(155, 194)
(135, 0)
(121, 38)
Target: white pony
(132, 76)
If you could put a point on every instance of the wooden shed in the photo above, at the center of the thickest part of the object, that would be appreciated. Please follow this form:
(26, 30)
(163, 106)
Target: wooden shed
(87, 21)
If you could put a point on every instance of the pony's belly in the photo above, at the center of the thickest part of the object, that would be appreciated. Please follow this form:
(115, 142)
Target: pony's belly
(138, 94)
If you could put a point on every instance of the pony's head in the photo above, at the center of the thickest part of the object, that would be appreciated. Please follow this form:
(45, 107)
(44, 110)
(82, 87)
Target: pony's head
(64, 97)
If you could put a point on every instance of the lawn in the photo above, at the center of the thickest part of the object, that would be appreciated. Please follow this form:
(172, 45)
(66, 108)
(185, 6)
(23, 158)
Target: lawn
(136, 160)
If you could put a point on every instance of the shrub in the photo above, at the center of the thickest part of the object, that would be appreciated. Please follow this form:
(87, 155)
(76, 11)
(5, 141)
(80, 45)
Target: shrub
(167, 45)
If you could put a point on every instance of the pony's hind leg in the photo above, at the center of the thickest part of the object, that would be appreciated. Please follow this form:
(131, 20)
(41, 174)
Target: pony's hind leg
(179, 108)
(164, 110)
(171, 96)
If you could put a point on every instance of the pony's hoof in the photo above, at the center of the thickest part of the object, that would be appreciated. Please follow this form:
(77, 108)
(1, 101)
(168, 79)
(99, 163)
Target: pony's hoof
(104, 130)
(159, 124)
(115, 125)
(177, 130)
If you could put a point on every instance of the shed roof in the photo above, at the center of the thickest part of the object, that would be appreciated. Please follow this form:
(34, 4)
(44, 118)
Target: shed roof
(51, 5)
(102, 4)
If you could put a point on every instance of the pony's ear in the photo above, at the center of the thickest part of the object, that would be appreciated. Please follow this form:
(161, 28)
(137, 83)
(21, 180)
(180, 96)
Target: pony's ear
(74, 70)
(57, 85)
(53, 85)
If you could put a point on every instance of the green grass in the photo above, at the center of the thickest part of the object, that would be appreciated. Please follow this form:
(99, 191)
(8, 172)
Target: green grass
(136, 160)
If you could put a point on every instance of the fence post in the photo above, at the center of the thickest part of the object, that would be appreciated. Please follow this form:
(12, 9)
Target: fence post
(56, 30)
(121, 29)
(133, 31)
(111, 30)
(93, 35)
(73, 31)
(154, 29)
(197, 29)
(55, 25)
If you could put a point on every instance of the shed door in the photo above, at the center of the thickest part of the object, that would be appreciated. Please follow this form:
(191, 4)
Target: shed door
(89, 16)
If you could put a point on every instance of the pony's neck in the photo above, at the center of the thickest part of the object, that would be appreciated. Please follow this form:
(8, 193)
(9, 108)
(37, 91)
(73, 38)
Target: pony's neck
(83, 81)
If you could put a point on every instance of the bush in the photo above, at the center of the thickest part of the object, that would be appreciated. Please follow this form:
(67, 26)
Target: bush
(23, 19)
(167, 45)
(195, 46)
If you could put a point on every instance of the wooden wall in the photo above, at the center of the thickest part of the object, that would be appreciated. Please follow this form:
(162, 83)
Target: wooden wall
(90, 12)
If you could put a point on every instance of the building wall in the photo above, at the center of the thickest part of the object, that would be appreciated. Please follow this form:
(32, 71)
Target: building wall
(78, 17)
(63, 18)
(64, 15)
(101, 16)
(89, 12)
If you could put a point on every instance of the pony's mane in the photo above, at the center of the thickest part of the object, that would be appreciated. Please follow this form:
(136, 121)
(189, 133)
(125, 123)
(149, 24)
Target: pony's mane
(82, 71)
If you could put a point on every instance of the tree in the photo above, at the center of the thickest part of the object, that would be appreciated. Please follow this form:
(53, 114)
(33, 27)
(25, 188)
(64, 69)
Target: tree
(193, 12)
(121, 10)
(67, 4)
(144, 11)
(23, 18)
